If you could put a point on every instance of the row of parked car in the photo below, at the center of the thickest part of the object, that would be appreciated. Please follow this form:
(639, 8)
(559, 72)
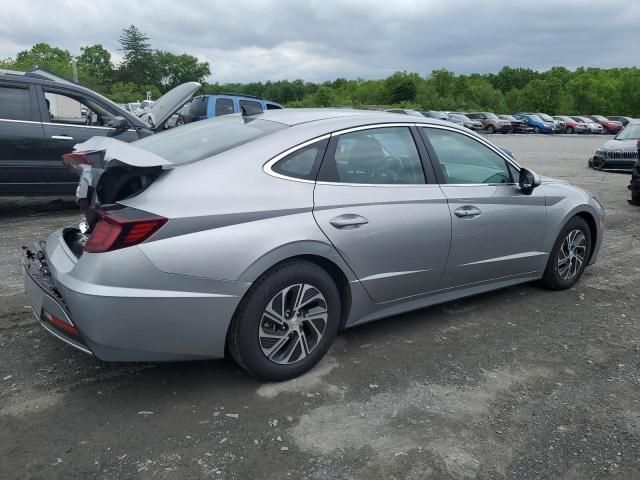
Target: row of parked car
(527, 122)
(43, 116)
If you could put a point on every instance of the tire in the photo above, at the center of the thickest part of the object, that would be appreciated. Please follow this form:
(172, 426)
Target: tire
(536, 130)
(569, 130)
(491, 129)
(255, 332)
(180, 121)
(556, 276)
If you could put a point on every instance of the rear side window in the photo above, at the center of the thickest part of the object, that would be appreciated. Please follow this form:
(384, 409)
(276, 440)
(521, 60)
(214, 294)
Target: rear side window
(224, 106)
(199, 140)
(15, 103)
(198, 107)
(251, 106)
(302, 163)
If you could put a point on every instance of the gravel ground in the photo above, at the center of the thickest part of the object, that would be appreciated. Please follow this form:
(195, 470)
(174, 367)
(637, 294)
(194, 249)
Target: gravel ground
(522, 383)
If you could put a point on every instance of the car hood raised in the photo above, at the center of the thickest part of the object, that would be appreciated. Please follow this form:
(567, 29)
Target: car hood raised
(169, 103)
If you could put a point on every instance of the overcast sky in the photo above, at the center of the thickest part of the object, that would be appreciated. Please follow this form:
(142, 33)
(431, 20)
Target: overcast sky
(246, 40)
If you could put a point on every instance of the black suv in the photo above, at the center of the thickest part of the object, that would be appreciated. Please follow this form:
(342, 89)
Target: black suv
(42, 118)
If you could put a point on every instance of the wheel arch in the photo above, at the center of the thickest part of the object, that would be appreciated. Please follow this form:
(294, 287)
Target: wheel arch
(315, 252)
(593, 229)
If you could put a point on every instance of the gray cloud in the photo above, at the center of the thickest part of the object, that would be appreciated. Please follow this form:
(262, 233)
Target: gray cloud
(316, 40)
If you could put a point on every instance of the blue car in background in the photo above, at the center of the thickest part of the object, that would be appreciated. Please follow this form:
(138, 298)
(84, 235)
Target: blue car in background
(534, 121)
(216, 104)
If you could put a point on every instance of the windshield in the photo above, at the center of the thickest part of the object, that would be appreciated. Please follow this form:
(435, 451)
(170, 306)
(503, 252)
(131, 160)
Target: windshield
(630, 132)
(545, 117)
(508, 117)
(491, 116)
(207, 138)
(600, 118)
(535, 118)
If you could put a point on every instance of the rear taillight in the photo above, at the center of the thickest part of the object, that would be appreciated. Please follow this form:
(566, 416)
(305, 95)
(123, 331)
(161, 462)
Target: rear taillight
(120, 227)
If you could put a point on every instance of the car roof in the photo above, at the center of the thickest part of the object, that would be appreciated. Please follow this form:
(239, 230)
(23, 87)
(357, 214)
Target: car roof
(297, 116)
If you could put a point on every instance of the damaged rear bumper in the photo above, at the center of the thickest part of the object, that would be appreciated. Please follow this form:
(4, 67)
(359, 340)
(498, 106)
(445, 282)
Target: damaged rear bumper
(118, 306)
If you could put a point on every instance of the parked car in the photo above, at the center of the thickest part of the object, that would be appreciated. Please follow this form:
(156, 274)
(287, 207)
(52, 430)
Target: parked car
(594, 127)
(132, 107)
(491, 122)
(41, 119)
(466, 121)
(177, 119)
(144, 107)
(216, 104)
(572, 125)
(610, 126)
(536, 123)
(619, 153)
(623, 120)
(405, 111)
(558, 125)
(245, 234)
(442, 116)
(517, 125)
(634, 184)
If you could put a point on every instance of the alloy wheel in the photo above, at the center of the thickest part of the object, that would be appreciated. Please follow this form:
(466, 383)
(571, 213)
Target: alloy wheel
(571, 255)
(293, 323)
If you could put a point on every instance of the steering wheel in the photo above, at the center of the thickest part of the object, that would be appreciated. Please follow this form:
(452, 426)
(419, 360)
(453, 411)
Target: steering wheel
(393, 169)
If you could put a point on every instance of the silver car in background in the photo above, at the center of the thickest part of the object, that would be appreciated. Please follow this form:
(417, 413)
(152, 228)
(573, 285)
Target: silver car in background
(264, 235)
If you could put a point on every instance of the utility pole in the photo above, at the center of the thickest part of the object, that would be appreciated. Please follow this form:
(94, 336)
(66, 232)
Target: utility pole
(74, 69)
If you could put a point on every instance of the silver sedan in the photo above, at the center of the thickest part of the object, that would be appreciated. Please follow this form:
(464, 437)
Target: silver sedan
(264, 235)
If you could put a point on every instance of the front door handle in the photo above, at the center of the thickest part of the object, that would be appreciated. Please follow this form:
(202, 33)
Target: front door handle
(467, 211)
(61, 137)
(348, 221)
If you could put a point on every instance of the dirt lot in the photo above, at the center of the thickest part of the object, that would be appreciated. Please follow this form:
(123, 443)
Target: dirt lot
(522, 383)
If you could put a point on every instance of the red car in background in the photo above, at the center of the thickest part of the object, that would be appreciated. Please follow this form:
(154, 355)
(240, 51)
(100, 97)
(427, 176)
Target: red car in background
(571, 125)
(610, 126)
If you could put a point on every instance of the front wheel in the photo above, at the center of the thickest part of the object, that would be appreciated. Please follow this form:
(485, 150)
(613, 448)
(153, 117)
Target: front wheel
(569, 130)
(286, 322)
(536, 130)
(491, 129)
(569, 256)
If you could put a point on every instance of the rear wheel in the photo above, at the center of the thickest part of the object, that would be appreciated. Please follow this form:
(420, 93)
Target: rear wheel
(286, 322)
(569, 130)
(491, 129)
(569, 256)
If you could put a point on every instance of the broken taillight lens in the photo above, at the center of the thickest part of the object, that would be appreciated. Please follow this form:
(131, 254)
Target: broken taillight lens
(120, 227)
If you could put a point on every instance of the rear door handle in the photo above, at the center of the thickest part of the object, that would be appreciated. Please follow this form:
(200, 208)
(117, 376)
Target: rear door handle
(348, 221)
(467, 211)
(61, 137)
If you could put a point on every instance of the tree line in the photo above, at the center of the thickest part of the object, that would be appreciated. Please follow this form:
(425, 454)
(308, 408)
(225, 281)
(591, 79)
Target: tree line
(555, 91)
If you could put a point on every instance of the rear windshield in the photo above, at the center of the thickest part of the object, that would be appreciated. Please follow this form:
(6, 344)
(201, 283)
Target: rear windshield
(198, 140)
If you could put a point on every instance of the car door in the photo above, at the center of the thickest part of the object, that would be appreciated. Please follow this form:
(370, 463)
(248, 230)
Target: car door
(22, 142)
(389, 221)
(497, 230)
(72, 117)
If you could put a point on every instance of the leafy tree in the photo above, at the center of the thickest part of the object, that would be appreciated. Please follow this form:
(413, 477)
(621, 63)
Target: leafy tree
(138, 65)
(94, 67)
(401, 86)
(174, 70)
(55, 60)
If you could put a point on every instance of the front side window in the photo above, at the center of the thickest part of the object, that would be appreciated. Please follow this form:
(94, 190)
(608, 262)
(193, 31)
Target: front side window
(302, 163)
(198, 107)
(465, 160)
(224, 106)
(73, 109)
(375, 156)
(15, 103)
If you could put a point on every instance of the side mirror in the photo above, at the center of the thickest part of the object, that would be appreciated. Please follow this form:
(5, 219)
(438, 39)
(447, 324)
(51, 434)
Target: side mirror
(528, 180)
(120, 123)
